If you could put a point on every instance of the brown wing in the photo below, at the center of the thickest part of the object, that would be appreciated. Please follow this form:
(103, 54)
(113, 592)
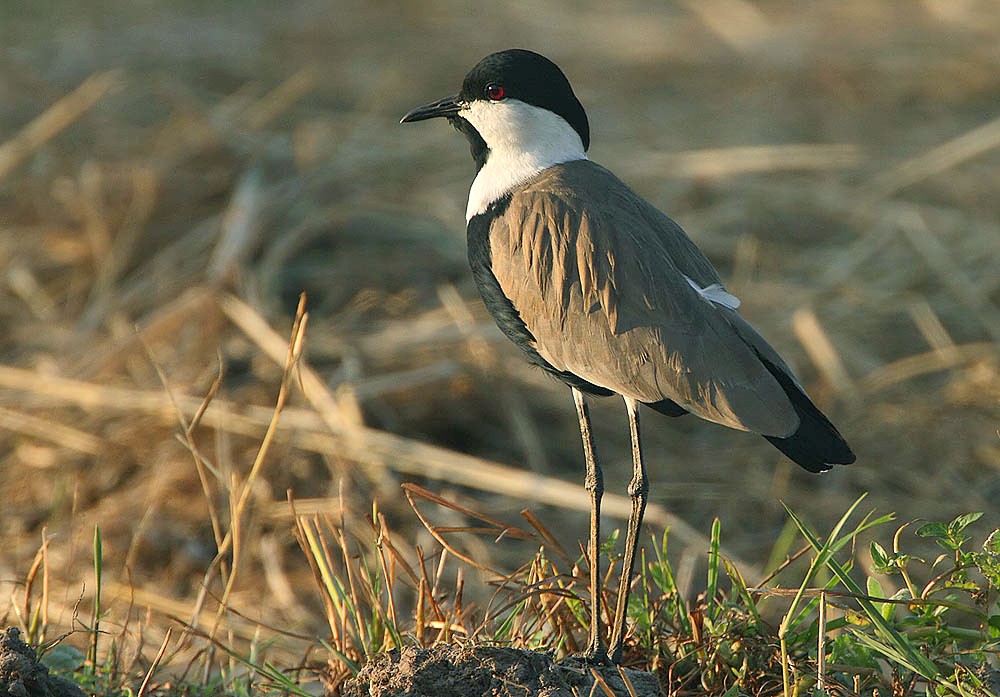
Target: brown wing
(598, 277)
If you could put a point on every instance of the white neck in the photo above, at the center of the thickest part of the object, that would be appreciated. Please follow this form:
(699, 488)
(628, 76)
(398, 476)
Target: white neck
(523, 140)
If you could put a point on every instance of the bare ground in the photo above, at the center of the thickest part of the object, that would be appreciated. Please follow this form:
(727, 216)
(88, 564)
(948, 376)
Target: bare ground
(23, 675)
(491, 671)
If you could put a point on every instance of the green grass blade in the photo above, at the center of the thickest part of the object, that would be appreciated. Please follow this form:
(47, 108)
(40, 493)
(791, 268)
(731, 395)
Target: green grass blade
(896, 645)
(823, 553)
(713, 571)
(96, 618)
(740, 585)
(667, 583)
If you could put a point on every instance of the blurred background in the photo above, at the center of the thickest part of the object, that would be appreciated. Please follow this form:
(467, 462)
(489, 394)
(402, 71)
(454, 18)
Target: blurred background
(173, 174)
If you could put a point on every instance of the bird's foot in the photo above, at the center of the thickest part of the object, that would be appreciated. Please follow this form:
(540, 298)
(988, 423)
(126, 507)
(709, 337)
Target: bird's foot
(614, 656)
(596, 654)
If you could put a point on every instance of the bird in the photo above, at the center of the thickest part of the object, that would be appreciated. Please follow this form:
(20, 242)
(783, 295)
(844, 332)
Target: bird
(609, 295)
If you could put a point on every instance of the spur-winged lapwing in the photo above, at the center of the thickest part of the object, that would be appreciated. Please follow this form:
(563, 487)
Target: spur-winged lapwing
(608, 294)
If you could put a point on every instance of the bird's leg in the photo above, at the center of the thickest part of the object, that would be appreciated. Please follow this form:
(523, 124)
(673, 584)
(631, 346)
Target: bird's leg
(637, 490)
(594, 483)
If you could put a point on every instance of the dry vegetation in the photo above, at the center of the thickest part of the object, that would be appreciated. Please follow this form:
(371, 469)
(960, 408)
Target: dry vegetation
(172, 177)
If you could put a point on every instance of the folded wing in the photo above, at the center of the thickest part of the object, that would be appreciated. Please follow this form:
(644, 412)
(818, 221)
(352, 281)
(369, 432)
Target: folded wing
(614, 292)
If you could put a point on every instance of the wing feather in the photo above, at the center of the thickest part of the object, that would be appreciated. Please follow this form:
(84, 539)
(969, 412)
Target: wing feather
(601, 279)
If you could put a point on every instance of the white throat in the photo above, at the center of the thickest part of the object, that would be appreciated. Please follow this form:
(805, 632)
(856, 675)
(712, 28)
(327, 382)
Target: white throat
(523, 140)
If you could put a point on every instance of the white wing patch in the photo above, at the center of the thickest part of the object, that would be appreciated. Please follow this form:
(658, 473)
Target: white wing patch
(715, 293)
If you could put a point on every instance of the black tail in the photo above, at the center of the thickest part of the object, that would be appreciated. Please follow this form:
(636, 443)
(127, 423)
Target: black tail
(816, 445)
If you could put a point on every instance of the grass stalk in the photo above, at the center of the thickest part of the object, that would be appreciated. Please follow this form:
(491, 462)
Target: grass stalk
(95, 622)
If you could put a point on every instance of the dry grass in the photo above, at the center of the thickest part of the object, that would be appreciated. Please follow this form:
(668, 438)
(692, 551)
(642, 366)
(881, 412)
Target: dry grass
(170, 182)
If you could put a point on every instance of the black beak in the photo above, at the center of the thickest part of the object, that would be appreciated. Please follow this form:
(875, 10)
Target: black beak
(443, 107)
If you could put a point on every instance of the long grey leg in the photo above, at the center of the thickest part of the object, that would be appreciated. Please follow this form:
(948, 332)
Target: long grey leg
(594, 483)
(637, 490)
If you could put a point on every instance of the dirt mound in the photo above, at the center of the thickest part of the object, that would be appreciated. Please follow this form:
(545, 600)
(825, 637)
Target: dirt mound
(491, 671)
(23, 675)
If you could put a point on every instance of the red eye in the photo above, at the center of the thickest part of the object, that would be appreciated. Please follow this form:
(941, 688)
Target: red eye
(494, 92)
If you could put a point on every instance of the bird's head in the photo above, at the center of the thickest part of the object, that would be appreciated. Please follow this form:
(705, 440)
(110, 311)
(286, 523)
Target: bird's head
(517, 103)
